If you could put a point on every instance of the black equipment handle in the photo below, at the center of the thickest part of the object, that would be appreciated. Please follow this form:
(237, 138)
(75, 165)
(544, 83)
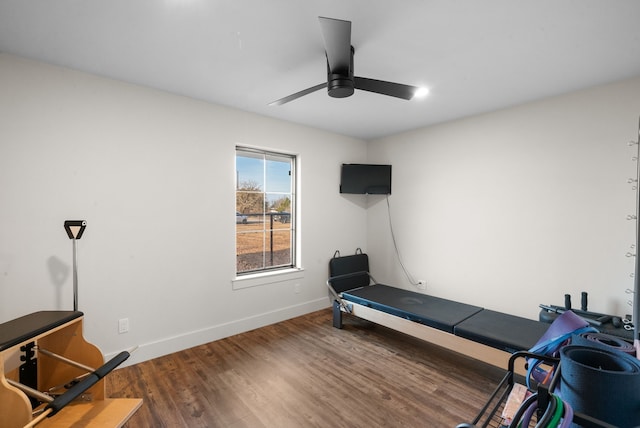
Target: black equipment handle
(86, 383)
(584, 301)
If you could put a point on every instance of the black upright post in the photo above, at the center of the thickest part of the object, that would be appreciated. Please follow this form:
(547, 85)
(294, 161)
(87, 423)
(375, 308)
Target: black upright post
(337, 315)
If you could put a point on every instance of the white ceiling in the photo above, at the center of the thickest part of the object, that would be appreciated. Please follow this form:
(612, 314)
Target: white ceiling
(474, 56)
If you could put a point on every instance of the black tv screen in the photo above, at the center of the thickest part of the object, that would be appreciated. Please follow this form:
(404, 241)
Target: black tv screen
(365, 179)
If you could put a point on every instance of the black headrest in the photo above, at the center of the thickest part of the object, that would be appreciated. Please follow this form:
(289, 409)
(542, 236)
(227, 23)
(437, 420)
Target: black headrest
(349, 272)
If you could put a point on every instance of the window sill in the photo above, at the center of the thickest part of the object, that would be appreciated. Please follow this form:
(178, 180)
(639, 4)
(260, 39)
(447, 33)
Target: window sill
(264, 278)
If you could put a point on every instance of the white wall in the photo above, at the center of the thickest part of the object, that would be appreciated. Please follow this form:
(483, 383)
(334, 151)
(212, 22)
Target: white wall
(505, 210)
(153, 175)
(515, 208)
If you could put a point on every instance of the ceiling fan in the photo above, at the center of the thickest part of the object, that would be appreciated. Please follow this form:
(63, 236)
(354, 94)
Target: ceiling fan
(341, 82)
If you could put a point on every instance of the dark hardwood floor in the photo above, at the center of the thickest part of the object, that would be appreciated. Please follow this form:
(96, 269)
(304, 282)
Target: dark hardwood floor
(305, 373)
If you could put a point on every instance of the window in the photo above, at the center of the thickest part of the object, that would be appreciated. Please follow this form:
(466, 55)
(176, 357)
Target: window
(265, 211)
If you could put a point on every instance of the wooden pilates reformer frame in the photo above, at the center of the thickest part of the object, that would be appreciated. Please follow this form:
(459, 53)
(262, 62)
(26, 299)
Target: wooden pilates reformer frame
(60, 381)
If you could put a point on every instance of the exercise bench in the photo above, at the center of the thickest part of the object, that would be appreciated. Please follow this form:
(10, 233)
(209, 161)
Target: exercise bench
(60, 381)
(479, 333)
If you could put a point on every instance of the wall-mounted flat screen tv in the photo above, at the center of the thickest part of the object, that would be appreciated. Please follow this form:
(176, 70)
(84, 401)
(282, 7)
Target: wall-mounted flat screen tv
(365, 179)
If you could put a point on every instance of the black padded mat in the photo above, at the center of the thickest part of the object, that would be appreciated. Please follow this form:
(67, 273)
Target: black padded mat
(29, 326)
(428, 310)
(502, 331)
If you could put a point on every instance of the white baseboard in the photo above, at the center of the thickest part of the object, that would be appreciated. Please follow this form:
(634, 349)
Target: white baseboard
(169, 345)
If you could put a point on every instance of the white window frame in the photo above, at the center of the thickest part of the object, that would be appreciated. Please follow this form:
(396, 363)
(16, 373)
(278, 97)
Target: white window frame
(267, 275)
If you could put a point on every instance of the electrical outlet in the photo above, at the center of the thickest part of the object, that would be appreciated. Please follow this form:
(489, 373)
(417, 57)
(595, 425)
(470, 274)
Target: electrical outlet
(422, 284)
(123, 325)
(296, 288)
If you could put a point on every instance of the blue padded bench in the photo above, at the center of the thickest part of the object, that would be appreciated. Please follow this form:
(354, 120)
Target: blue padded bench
(428, 310)
(502, 331)
(478, 332)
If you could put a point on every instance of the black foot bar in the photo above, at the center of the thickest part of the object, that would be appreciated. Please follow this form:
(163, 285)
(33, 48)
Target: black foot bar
(76, 390)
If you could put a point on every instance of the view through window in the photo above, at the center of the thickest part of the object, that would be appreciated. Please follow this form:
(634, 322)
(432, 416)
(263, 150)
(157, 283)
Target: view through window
(265, 217)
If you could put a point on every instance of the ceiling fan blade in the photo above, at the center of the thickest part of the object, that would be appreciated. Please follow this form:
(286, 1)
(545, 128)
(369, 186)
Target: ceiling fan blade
(297, 95)
(337, 43)
(397, 90)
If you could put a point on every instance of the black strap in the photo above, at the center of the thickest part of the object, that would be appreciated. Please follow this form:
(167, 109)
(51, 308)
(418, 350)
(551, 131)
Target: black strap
(348, 275)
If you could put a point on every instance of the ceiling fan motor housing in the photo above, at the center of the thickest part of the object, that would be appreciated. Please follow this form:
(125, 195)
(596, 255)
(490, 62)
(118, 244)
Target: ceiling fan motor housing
(340, 83)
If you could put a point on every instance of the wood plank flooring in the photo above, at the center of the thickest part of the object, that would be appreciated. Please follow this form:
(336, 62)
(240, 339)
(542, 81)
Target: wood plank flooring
(305, 373)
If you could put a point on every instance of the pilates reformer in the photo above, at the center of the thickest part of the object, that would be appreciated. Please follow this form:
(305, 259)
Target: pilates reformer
(499, 339)
(61, 379)
(477, 332)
